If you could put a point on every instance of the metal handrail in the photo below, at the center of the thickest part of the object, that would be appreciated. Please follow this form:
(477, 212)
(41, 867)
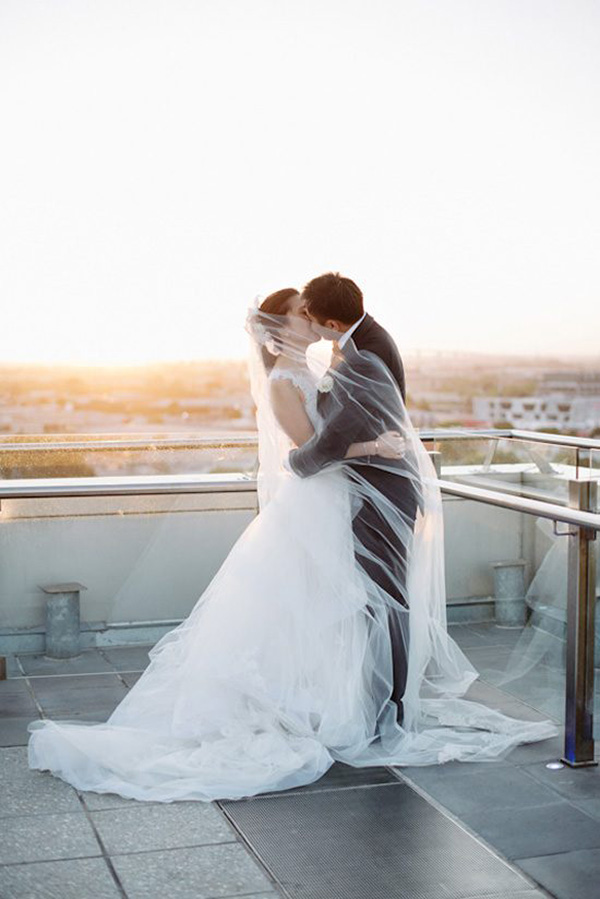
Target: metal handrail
(129, 444)
(579, 741)
(509, 488)
(540, 508)
(126, 485)
(247, 442)
(144, 485)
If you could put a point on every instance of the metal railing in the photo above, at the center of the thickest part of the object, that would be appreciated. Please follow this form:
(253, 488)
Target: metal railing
(579, 515)
(188, 441)
(127, 444)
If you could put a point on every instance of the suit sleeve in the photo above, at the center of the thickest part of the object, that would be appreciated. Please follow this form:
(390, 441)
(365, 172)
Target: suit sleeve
(348, 423)
(388, 352)
(330, 444)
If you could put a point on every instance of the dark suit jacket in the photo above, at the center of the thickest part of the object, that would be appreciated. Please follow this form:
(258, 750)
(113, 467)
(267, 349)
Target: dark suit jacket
(371, 336)
(373, 408)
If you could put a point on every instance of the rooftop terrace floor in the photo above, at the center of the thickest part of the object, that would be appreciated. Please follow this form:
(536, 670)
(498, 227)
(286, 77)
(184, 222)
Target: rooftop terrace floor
(511, 829)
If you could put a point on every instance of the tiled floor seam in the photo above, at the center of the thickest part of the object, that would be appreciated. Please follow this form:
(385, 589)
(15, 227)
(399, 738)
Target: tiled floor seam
(528, 858)
(254, 855)
(510, 863)
(560, 797)
(30, 690)
(42, 861)
(105, 854)
(316, 789)
(116, 670)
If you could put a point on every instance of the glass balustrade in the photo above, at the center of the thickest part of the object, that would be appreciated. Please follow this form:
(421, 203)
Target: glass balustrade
(143, 559)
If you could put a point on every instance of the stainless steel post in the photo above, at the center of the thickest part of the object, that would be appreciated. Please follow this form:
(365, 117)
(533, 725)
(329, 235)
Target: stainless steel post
(581, 610)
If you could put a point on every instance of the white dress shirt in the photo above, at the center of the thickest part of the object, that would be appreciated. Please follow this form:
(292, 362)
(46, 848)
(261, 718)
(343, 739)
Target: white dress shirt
(347, 334)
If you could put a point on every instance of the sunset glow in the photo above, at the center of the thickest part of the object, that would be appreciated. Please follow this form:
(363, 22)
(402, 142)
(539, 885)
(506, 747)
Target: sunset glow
(164, 161)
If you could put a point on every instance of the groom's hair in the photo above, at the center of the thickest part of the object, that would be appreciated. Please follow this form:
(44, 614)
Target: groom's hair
(334, 297)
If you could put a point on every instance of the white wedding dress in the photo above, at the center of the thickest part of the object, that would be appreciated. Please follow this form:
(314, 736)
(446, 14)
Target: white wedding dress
(269, 679)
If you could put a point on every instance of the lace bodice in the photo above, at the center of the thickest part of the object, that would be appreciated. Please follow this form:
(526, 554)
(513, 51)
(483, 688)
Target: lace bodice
(307, 382)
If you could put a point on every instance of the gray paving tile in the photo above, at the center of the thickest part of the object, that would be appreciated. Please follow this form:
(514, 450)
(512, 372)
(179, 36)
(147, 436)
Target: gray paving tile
(490, 694)
(493, 635)
(205, 872)
(499, 788)
(521, 894)
(32, 838)
(13, 731)
(80, 712)
(572, 783)
(547, 699)
(568, 875)
(99, 801)
(83, 878)
(78, 693)
(48, 686)
(465, 636)
(25, 791)
(14, 685)
(127, 658)
(161, 826)
(589, 806)
(82, 698)
(540, 707)
(542, 830)
(16, 704)
(90, 660)
(550, 750)
(131, 677)
(489, 657)
(429, 776)
(499, 697)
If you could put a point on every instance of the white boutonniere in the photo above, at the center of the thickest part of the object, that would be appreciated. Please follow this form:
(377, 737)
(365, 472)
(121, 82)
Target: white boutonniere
(325, 384)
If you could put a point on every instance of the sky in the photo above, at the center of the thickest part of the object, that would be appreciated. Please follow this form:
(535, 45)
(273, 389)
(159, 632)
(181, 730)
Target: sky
(164, 161)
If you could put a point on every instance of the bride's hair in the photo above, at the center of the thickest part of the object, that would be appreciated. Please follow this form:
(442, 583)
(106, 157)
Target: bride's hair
(333, 297)
(277, 303)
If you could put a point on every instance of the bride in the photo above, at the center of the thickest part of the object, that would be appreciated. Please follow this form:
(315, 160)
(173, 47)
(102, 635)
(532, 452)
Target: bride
(288, 660)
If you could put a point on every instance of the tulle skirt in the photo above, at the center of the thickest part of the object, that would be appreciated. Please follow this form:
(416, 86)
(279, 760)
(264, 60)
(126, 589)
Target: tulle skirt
(282, 667)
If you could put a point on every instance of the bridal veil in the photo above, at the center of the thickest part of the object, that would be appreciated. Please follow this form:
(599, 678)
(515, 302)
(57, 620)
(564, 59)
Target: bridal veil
(323, 635)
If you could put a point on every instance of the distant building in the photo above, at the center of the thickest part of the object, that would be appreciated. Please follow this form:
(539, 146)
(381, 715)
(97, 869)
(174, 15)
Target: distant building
(571, 383)
(561, 411)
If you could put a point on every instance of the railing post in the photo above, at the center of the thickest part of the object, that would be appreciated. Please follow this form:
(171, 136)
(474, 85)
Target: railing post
(436, 458)
(581, 610)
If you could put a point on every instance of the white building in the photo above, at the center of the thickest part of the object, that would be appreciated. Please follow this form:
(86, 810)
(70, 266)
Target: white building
(558, 410)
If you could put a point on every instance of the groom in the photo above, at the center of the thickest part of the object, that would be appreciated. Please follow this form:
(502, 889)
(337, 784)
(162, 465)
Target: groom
(335, 303)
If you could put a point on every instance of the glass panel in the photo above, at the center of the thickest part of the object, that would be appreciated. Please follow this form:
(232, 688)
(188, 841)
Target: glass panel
(590, 468)
(143, 562)
(510, 465)
(506, 584)
(106, 455)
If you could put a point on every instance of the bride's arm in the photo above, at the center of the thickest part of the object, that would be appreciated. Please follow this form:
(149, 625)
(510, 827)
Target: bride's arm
(290, 412)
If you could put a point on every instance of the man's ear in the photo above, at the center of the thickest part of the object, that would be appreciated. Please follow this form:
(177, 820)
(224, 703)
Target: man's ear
(334, 325)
